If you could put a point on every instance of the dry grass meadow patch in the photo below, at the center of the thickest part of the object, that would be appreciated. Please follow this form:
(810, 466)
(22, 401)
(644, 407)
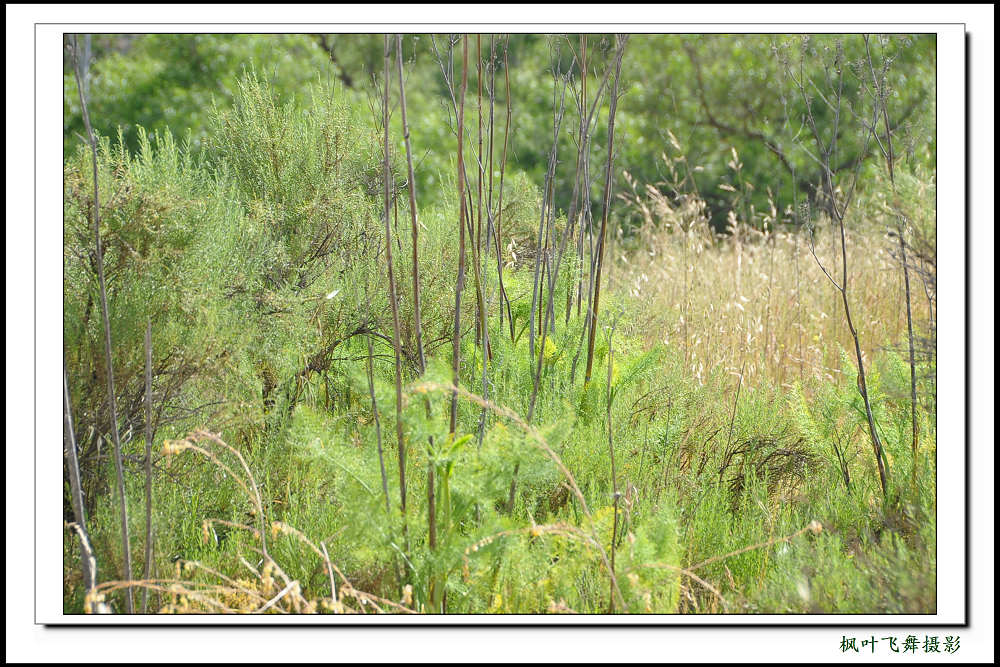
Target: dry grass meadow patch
(754, 300)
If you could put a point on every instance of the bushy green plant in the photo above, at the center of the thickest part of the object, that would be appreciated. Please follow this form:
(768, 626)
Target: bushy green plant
(169, 235)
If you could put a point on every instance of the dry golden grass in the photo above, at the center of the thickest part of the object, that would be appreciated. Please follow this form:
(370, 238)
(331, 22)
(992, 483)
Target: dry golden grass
(759, 301)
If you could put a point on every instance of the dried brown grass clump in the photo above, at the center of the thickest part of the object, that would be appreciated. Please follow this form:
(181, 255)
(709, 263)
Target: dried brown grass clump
(783, 463)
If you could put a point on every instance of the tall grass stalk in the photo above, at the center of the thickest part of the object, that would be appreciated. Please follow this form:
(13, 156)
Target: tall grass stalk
(88, 564)
(414, 235)
(456, 349)
(148, 565)
(545, 225)
(881, 95)
(611, 452)
(503, 169)
(393, 303)
(78, 71)
(838, 211)
(602, 238)
(412, 191)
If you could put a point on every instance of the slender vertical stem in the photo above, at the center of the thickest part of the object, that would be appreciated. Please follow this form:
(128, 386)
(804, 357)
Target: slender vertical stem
(913, 366)
(798, 296)
(491, 234)
(480, 313)
(583, 136)
(542, 266)
(378, 422)
(414, 233)
(491, 136)
(686, 311)
(503, 169)
(477, 283)
(546, 217)
(881, 97)
(148, 566)
(394, 306)
(536, 284)
(456, 349)
(587, 224)
(88, 565)
(838, 214)
(431, 512)
(463, 220)
(736, 402)
(112, 402)
(609, 175)
(767, 305)
(614, 472)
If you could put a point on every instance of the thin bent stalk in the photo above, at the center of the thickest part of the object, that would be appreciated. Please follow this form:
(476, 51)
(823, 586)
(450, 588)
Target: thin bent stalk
(112, 402)
(838, 213)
